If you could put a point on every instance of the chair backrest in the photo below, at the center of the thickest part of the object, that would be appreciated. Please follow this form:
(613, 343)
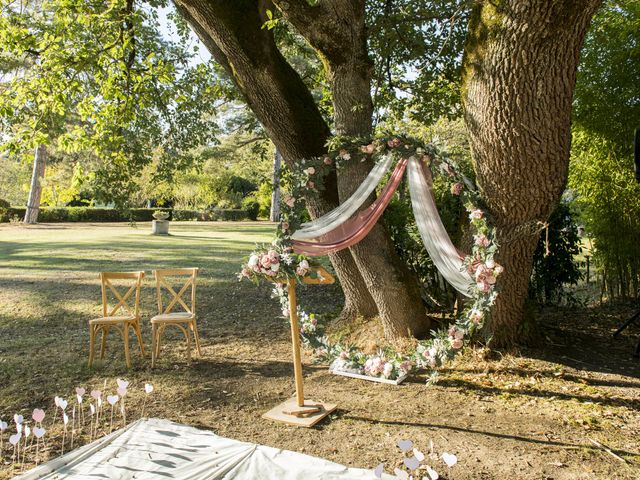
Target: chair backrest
(122, 302)
(176, 298)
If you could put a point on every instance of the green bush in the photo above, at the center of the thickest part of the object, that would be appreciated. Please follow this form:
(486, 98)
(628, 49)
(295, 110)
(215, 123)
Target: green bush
(4, 210)
(252, 207)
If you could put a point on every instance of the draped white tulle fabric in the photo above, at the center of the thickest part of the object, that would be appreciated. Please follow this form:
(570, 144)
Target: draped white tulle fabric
(443, 253)
(335, 218)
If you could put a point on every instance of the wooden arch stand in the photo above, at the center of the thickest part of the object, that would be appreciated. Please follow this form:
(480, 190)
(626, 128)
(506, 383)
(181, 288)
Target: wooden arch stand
(298, 411)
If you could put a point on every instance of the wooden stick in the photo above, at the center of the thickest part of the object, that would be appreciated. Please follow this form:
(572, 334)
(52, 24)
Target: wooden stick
(295, 337)
(606, 449)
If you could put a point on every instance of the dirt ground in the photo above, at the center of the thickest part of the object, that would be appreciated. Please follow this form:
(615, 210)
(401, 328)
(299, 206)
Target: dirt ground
(566, 410)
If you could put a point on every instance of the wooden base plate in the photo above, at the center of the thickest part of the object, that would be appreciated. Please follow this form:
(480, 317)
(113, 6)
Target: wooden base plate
(300, 420)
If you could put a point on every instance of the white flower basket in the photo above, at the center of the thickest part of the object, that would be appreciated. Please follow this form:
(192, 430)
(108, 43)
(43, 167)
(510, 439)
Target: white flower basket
(397, 381)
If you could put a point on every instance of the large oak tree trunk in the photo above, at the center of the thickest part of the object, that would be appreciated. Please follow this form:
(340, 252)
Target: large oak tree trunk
(233, 33)
(519, 74)
(35, 191)
(339, 35)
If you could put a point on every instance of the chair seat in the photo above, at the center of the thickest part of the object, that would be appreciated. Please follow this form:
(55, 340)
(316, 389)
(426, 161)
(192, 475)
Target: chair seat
(173, 317)
(114, 319)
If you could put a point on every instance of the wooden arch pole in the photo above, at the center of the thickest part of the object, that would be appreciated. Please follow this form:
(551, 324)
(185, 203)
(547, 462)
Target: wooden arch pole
(298, 411)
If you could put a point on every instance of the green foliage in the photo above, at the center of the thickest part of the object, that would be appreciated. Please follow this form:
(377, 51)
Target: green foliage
(99, 78)
(4, 210)
(559, 268)
(609, 201)
(606, 112)
(252, 207)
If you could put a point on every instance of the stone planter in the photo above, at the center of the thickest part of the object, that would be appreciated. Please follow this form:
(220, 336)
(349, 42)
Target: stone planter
(160, 227)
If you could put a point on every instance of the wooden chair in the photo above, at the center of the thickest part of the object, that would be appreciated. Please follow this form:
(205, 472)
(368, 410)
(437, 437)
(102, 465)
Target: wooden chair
(122, 316)
(185, 320)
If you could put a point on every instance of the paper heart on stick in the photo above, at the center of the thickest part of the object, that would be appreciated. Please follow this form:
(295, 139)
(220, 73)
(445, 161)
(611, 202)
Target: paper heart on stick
(62, 403)
(19, 419)
(38, 415)
(411, 463)
(39, 432)
(56, 400)
(113, 399)
(92, 408)
(96, 394)
(418, 454)
(65, 418)
(79, 398)
(450, 459)
(80, 391)
(401, 474)
(122, 383)
(27, 431)
(15, 438)
(433, 475)
(378, 471)
(3, 426)
(148, 388)
(405, 445)
(122, 391)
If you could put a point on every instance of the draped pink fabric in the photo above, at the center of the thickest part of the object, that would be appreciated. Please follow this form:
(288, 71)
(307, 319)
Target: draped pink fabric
(357, 227)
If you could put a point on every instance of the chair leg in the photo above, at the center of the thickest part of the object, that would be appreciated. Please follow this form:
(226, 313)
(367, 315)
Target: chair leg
(154, 332)
(103, 342)
(158, 340)
(125, 337)
(92, 335)
(188, 336)
(139, 335)
(194, 327)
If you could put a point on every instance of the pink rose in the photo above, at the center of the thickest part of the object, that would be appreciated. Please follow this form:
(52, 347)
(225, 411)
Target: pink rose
(285, 226)
(285, 312)
(246, 272)
(498, 269)
(271, 273)
(456, 188)
(456, 344)
(476, 214)
(475, 316)
(394, 142)
(485, 274)
(265, 261)
(484, 287)
(327, 161)
(344, 154)
(455, 333)
(481, 240)
(371, 148)
(406, 366)
(310, 171)
(289, 200)
(344, 355)
(311, 185)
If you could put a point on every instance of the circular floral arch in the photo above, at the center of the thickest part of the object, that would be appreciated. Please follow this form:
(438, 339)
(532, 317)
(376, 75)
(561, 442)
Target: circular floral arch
(278, 261)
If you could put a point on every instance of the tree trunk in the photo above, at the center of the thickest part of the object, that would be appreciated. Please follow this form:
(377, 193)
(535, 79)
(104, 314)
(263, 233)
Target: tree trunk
(519, 74)
(233, 33)
(394, 290)
(35, 192)
(274, 214)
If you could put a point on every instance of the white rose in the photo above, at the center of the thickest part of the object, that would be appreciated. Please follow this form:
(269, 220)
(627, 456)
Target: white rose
(253, 260)
(388, 368)
(304, 264)
(275, 267)
(490, 263)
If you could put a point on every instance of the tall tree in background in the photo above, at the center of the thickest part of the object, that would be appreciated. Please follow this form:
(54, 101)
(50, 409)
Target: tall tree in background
(98, 78)
(519, 75)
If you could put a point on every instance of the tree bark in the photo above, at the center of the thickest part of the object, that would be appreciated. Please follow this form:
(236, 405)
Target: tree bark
(274, 214)
(519, 73)
(233, 33)
(337, 30)
(35, 191)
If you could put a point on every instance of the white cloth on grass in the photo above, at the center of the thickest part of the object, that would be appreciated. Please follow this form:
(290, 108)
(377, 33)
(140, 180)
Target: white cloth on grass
(161, 449)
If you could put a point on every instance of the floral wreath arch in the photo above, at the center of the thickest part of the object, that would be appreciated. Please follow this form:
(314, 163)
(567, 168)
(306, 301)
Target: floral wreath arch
(474, 275)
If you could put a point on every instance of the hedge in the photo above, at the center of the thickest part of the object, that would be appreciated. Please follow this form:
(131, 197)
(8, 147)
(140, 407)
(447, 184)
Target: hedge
(91, 214)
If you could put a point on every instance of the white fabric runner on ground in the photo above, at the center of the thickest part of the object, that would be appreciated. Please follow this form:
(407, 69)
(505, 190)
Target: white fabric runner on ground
(436, 240)
(334, 218)
(161, 449)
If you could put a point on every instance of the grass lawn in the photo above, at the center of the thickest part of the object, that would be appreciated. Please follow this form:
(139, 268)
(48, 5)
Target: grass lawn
(519, 416)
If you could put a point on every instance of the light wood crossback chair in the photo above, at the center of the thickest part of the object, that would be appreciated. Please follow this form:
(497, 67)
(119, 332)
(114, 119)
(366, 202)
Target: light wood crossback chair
(185, 320)
(120, 317)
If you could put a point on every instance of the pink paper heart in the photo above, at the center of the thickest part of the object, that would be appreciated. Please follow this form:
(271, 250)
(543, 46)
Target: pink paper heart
(80, 391)
(96, 394)
(122, 391)
(38, 415)
(3, 426)
(122, 383)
